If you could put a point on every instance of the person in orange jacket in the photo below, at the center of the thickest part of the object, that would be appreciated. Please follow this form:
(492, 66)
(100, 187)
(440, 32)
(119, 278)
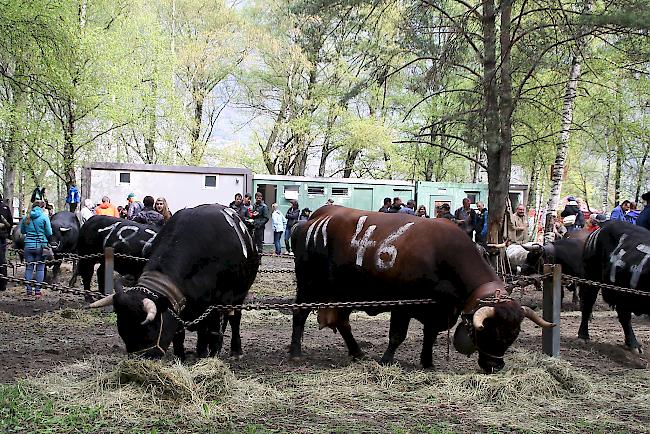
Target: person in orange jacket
(107, 208)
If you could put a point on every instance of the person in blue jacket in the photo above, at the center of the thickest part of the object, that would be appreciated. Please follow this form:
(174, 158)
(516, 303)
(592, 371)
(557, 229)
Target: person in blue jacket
(73, 198)
(644, 218)
(37, 230)
(619, 212)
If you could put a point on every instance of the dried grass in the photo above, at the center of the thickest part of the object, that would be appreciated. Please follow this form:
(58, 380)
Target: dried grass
(135, 391)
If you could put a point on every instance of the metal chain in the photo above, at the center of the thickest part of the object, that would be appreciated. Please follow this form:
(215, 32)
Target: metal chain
(134, 258)
(53, 287)
(279, 270)
(607, 286)
(299, 306)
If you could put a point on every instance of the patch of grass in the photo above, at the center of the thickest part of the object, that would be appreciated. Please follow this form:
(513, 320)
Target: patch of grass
(25, 410)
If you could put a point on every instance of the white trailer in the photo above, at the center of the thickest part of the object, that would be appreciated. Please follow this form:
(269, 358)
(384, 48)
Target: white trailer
(182, 186)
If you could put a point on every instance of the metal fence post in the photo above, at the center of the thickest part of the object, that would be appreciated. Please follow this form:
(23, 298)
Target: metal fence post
(109, 267)
(552, 307)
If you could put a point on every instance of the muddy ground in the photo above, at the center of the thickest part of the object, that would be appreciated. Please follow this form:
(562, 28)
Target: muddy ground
(39, 335)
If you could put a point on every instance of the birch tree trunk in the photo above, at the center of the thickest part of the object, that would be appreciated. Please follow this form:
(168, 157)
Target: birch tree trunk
(607, 172)
(565, 132)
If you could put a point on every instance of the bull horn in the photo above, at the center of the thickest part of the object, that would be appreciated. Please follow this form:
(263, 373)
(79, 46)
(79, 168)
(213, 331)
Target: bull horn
(106, 301)
(481, 315)
(533, 248)
(150, 308)
(534, 317)
(64, 229)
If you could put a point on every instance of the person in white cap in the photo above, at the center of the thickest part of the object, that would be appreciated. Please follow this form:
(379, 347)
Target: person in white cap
(570, 210)
(86, 211)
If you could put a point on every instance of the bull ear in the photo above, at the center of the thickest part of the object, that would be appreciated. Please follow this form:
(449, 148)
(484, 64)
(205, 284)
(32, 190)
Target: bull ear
(64, 229)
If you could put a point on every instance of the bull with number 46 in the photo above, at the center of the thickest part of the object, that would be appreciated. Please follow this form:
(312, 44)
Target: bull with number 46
(344, 254)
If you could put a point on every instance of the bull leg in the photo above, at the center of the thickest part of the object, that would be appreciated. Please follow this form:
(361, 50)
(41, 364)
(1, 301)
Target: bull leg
(399, 326)
(235, 339)
(344, 328)
(202, 340)
(179, 344)
(86, 269)
(100, 278)
(625, 318)
(429, 337)
(75, 273)
(299, 319)
(588, 297)
(216, 336)
(574, 299)
(56, 271)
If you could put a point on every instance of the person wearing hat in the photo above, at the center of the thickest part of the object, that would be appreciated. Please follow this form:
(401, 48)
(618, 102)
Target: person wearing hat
(644, 218)
(570, 210)
(6, 223)
(618, 213)
(133, 207)
(304, 215)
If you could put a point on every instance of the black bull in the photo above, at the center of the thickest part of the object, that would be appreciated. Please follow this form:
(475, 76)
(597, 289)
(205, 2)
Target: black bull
(618, 254)
(202, 256)
(124, 236)
(343, 254)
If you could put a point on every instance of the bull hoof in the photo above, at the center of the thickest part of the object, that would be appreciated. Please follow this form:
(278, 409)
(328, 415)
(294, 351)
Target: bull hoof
(236, 356)
(359, 356)
(385, 361)
(426, 364)
(584, 336)
(635, 349)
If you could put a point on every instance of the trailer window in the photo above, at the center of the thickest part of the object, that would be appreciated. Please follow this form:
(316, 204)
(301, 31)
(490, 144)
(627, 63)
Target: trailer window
(340, 191)
(124, 178)
(291, 192)
(210, 181)
(319, 190)
(473, 196)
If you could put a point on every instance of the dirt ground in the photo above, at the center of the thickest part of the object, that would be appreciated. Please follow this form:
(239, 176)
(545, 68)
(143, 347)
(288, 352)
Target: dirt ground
(39, 335)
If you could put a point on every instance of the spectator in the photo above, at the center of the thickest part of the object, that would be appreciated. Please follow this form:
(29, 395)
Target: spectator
(148, 215)
(572, 209)
(260, 218)
(246, 213)
(633, 214)
(330, 201)
(162, 208)
(73, 199)
(518, 232)
(106, 208)
(6, 223)
(50, 209)
(292, 216)
(409, 208)
(618, 213)
(445, 212)
(38, 194)
(422, 212)
(481, 223)
(37, 230)
(595, 221)
(237, 203)
(396, 206)
(466, 217)
(133, 207)
(387, 204)
(86, 211)
(279, 223)
(304, 215)
(644, 218)
(559, 230)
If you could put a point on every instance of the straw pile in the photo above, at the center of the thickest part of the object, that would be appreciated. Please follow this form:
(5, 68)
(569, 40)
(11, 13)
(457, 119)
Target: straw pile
(139, 391)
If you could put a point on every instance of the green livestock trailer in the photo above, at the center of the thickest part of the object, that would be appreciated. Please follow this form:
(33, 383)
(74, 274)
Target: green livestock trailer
(368, 194)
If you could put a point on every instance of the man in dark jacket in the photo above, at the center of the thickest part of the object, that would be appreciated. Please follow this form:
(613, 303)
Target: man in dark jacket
(396, 206)
(260, 218)
(148, 215)
(387, 204)
(480, 224)
(466, 217)
(6, 223)
(445, 212)
(572, 209)
(293, 214)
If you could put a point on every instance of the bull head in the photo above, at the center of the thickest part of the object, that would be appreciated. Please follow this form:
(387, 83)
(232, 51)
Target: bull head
(64, 229)
(535, 248)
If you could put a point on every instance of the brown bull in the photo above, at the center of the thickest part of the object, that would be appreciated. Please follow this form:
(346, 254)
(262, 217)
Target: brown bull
(343, 254)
